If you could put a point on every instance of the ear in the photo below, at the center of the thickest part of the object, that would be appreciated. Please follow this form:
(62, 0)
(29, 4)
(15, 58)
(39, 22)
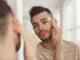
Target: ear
(15, 25)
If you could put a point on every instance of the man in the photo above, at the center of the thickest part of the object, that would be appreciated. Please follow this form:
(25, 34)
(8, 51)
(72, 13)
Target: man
(51, 47)
(9, 38)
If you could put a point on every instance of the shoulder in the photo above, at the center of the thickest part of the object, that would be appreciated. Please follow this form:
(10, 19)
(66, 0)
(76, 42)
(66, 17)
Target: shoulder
(69, 48)
(69, 44)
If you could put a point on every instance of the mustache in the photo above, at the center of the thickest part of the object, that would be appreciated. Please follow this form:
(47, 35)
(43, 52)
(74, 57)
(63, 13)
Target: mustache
(43, 31)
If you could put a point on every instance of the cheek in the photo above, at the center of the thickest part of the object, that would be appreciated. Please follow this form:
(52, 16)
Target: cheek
(36, 30)
(48, 26)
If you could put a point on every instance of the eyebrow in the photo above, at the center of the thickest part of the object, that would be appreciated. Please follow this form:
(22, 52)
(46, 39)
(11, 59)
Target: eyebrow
(40, 20)
(43, 19)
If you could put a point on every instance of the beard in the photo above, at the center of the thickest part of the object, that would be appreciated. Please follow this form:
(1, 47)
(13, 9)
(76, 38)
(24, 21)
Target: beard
(44, 35)
(46, 39)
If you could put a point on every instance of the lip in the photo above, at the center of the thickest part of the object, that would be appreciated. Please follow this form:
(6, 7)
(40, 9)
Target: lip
(41, 33)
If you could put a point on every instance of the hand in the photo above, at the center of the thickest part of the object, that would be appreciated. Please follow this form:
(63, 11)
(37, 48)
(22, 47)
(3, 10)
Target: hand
(56, 38)
(56, 33)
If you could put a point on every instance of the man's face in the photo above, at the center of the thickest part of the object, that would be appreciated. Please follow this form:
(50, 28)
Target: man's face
(42, 25)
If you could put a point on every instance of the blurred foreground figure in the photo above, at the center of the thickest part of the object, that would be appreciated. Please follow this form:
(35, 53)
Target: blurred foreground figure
(9, 39)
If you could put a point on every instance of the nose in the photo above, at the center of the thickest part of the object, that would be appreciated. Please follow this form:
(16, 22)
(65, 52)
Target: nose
(40, 26)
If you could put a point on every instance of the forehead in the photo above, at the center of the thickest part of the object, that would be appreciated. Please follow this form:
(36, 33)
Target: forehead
(40, 16)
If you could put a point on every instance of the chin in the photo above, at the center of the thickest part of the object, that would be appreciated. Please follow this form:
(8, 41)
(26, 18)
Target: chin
(46, 39)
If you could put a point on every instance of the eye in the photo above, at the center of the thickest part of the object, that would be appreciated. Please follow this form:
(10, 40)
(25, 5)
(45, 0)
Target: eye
(35, 25)
(44, 22)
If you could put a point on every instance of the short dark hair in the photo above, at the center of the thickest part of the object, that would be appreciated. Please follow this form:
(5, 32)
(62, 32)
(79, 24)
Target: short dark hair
(38, 9)
(5, 10)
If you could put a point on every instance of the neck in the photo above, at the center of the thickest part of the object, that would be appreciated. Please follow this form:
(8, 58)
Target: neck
(48, 45)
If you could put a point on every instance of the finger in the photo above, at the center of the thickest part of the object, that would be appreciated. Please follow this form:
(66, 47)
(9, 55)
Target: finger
(54, 27)
(56, 32)
(54, 24)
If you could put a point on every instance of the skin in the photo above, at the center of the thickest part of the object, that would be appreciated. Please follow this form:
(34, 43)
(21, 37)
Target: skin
(10, 43)
(48, 31)
(42, 26)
